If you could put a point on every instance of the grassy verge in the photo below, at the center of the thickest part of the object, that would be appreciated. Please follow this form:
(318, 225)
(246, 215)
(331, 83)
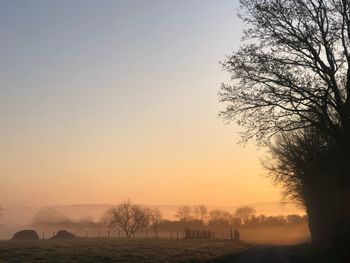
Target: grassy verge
(115, 250)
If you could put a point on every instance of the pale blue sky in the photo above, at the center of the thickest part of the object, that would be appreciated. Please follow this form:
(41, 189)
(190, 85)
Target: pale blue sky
(68, 58)
(119, 92)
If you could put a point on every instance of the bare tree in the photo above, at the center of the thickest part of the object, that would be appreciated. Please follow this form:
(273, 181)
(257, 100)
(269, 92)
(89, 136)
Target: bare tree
(201, 212)
(184, 213)
(292, 74)
(129, 217)
(218, 215)
(244, 213)
(155, 218)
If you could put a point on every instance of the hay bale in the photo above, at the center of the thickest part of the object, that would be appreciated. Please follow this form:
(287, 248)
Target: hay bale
(63, 234)
(25, 235)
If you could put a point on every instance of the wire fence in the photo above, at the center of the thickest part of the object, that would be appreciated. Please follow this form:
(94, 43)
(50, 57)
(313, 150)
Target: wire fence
(187, 233)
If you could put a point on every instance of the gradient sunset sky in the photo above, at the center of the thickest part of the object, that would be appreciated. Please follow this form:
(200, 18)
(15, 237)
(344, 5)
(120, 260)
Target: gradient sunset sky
(106, 100)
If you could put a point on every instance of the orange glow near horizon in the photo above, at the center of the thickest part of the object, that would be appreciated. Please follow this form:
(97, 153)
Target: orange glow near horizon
(120, 101)
(209, 168)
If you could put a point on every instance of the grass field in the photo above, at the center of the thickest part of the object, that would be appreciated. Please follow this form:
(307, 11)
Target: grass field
(115, 250)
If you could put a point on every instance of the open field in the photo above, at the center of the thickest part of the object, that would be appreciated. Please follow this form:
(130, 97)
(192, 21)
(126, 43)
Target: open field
(116, 250)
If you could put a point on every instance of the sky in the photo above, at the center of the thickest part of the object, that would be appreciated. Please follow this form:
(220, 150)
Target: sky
(106, 100)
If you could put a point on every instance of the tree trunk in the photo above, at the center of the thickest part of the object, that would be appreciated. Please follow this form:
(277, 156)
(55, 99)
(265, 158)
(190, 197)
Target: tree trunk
(328, 204)
(341, 221)
(341, 202)
(320, 216)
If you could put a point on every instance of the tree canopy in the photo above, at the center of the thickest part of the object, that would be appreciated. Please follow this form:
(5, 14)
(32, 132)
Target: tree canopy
(129, 217)
(292, 71)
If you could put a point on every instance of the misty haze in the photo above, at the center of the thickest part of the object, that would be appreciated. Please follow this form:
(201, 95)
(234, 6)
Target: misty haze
(175, 131)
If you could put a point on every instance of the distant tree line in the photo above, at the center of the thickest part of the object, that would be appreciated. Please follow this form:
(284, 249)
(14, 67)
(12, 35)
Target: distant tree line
(131, 218)
(52, 217)
(242, 217)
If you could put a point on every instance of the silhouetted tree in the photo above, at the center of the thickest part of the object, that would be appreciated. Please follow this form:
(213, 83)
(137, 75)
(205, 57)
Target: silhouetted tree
(244, 213)
(184, 213)
(129, 217)
(293, 74)
(201, 212)
(303, 163)
(155, 218)
(219, 217)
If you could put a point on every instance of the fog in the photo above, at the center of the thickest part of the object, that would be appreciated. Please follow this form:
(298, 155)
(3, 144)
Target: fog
(277, 235)
(21, 217)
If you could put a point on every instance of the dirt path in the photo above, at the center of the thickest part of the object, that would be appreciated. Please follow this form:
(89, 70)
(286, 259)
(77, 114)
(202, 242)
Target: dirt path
(261, 254)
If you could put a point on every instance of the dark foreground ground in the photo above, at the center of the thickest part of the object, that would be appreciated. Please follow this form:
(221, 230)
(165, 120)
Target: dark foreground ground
(277, 254)
(156, 250)
(116, 250)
